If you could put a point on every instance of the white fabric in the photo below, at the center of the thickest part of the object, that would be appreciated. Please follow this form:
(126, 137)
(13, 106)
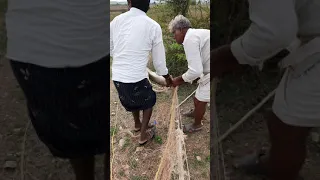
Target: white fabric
(58, 33)
(203, 90)
(299, 59)
(297, 100)
(276, 25)
(197, 49)
(133, 35)
(270, 33)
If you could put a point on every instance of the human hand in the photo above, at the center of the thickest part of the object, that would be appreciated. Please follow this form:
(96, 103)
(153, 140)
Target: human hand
(169, 81)
(223, 61)
(177, 81)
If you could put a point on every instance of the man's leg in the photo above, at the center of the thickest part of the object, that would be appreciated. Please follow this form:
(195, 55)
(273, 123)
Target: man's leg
(136, 117)
(144, 126)
(202, 97)
(199, 111)
(288, 148)
(83, 168)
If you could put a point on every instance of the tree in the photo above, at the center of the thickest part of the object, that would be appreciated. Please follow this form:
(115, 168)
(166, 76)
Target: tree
(179, 6)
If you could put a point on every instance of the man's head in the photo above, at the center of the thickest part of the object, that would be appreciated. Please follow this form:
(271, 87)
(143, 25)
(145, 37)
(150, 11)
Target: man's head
(179, 27)
(143, 5)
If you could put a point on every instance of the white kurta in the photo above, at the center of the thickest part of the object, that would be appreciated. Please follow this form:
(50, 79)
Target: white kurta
(275, 25)
(197, 49)
(133, 35)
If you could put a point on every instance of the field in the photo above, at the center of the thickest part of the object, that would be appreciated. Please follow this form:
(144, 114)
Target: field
(118, 8)
(134, 162)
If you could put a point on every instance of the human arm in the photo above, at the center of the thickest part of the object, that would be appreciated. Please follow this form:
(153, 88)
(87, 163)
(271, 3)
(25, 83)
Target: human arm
(269, 33)
(195, 67)
(159, 57)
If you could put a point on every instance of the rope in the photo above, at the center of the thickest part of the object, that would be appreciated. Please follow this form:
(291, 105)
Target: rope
(244, 118)
(186, 98)
(184, 145)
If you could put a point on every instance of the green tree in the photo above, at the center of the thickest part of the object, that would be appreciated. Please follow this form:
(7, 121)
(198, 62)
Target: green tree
(179, 6)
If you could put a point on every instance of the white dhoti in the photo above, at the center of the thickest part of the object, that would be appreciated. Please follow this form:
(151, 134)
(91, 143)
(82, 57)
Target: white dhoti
(203, 90)
(297, 99)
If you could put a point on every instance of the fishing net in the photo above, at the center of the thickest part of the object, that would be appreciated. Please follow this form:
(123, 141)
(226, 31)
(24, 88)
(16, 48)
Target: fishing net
(173, 163)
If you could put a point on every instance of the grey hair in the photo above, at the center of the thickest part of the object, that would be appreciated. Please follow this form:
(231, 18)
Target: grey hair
(179, 22)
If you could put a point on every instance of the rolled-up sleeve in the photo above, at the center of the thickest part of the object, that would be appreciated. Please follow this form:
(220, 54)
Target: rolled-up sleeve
(158, 53)
(195, 67)
(274, 27)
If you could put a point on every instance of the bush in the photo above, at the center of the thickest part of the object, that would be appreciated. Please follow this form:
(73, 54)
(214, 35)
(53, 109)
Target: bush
(176, 60)
(179, 6)
(193, 2)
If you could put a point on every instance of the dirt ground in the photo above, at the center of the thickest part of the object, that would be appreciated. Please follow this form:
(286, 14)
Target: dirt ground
(236, 96)
(141, 163)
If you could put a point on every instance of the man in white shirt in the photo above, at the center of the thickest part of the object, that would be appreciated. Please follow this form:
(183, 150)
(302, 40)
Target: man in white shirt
(292, 25)
(196, 44)
(59, 54)
(133, 35)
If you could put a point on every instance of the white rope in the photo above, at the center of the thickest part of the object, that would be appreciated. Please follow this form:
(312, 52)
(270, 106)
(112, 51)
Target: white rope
(245, 117)
(186, 98)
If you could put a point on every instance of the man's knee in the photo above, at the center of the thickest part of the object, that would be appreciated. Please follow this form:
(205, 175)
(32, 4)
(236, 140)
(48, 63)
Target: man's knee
(286, 135)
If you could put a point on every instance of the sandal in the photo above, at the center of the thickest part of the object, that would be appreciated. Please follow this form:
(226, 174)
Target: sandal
(252, 164)
(188, 128)
(190, 114)
(151, 134)
(149, 127)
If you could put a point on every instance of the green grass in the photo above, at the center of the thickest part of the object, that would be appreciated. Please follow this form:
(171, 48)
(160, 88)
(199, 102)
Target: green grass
(113, 130)
(158, 139)
(208, 159)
